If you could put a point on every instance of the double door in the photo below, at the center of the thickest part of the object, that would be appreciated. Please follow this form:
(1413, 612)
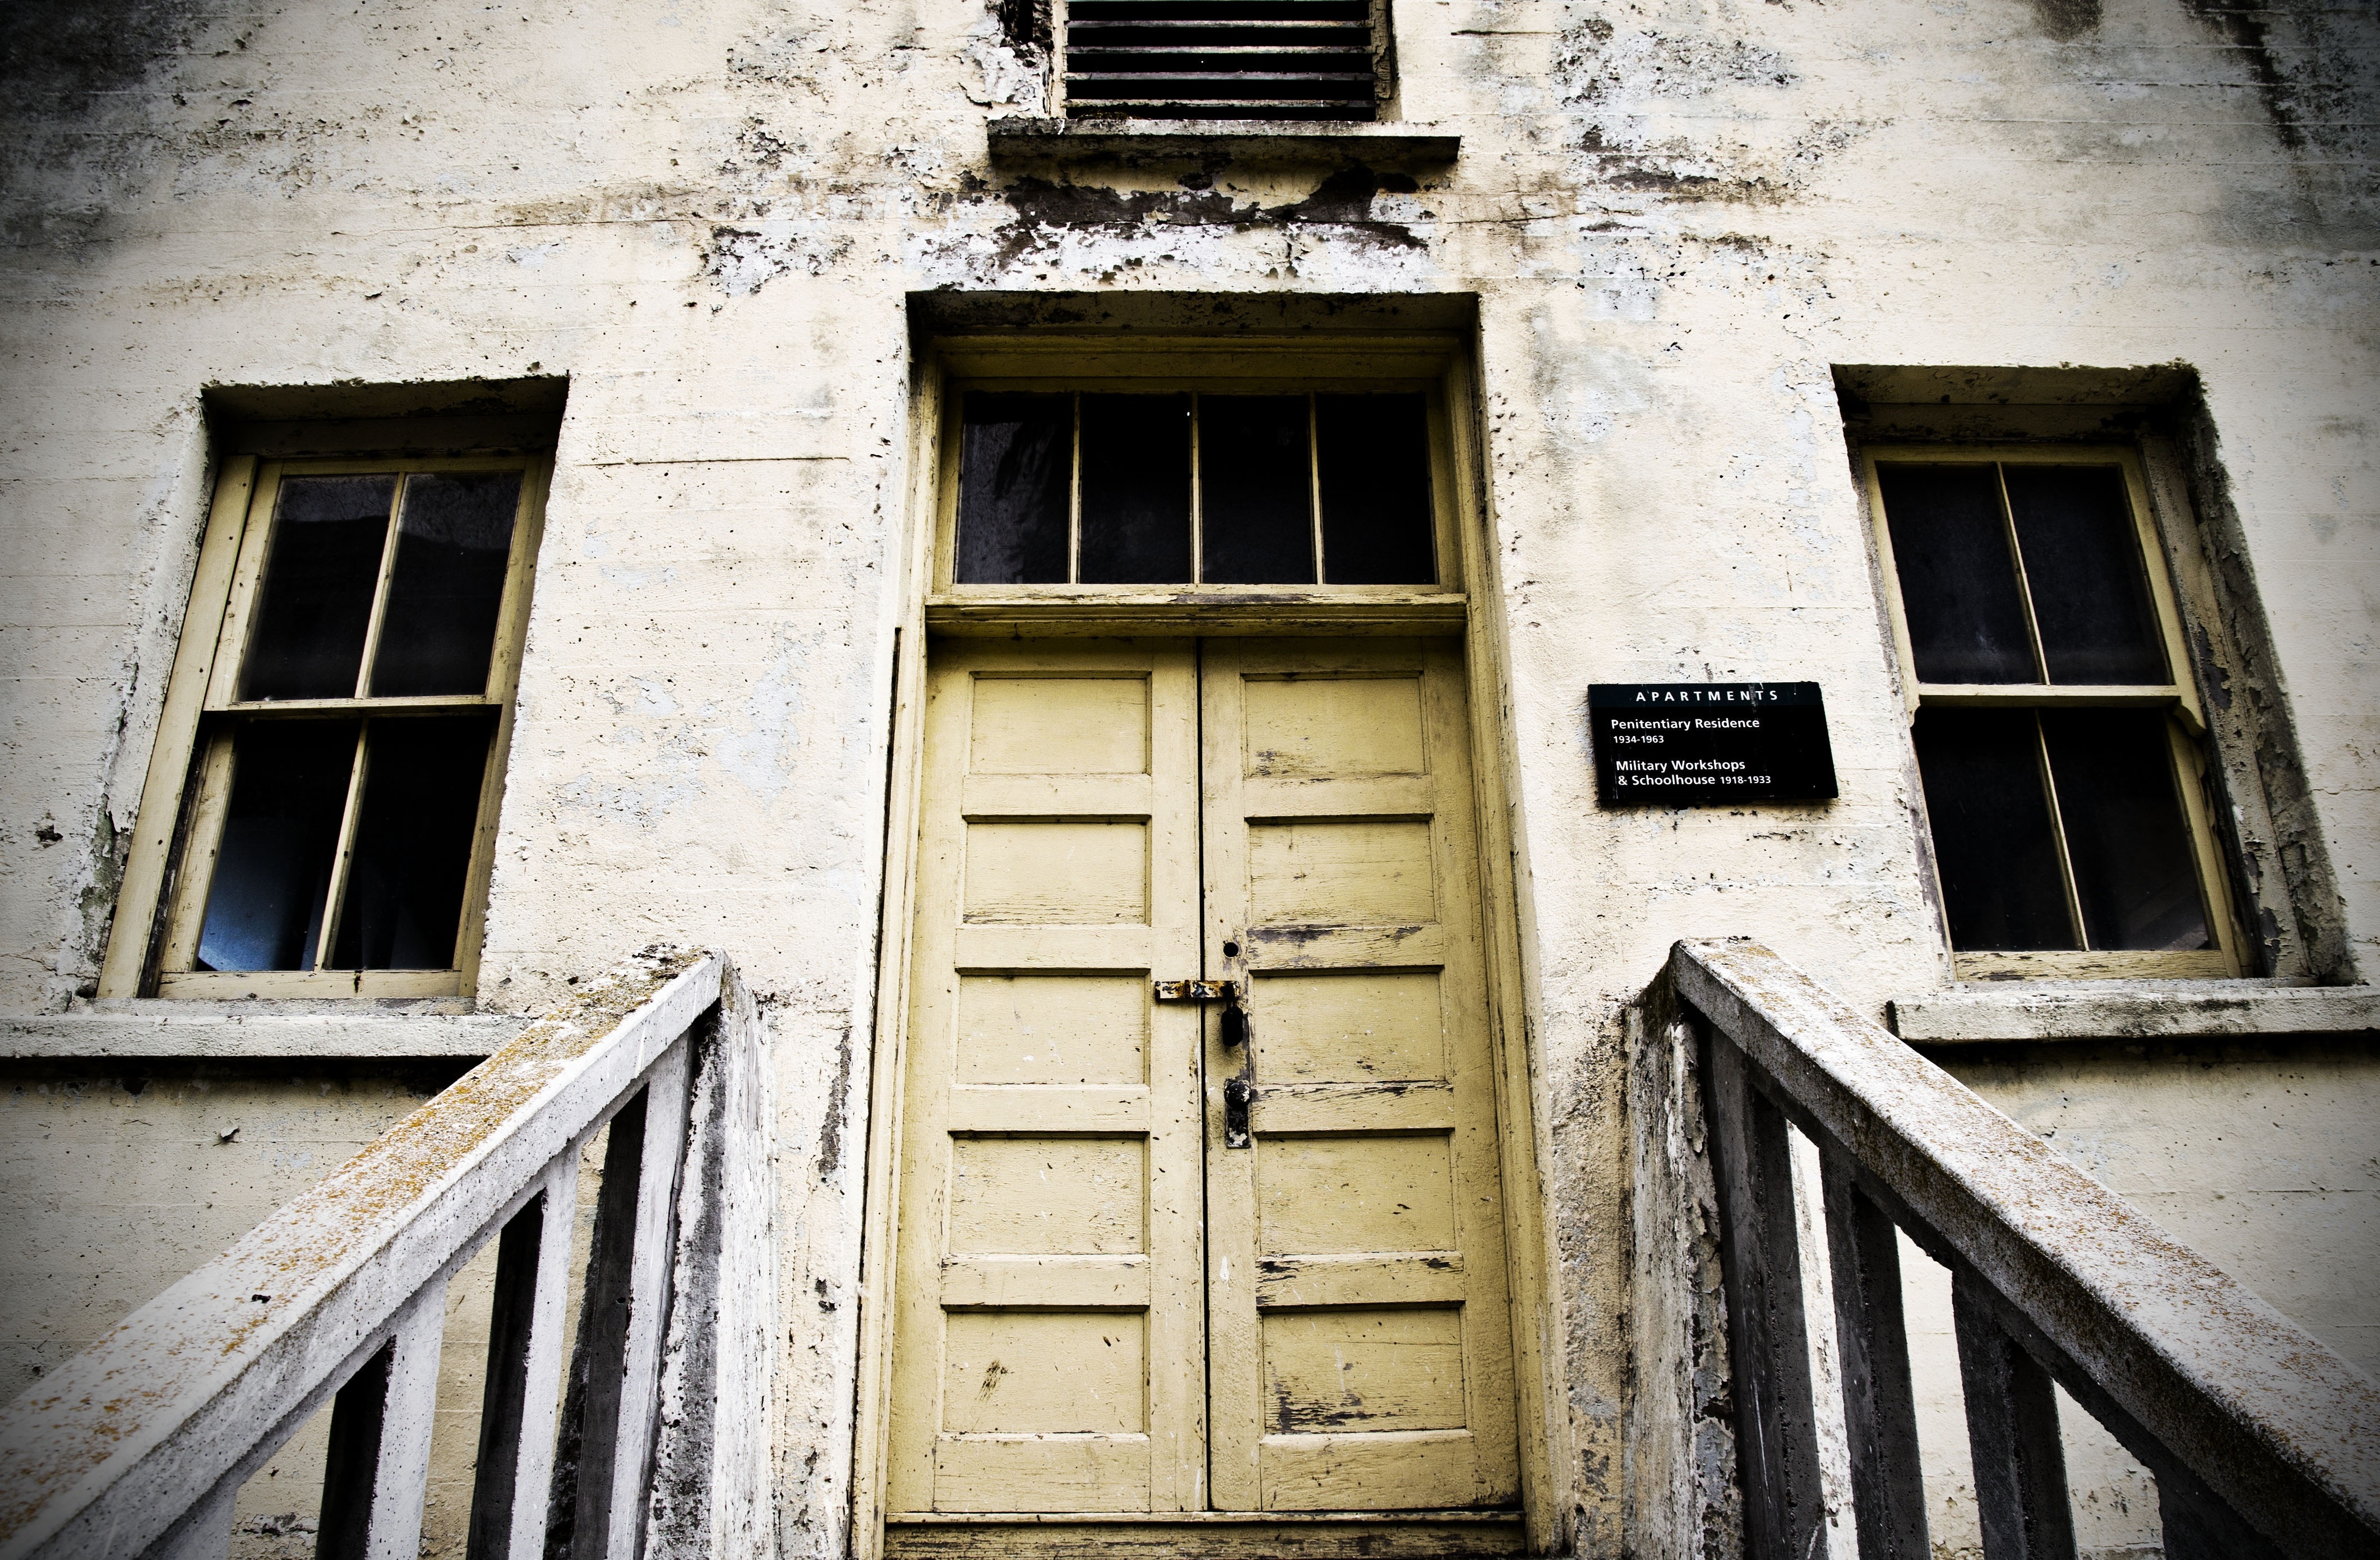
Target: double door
(1164, 1254)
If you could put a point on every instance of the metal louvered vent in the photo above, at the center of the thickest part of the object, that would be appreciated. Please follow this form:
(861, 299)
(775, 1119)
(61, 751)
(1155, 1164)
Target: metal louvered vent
(1223, 59)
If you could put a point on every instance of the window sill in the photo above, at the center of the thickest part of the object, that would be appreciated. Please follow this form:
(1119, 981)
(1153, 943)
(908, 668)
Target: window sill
(1245, 141)
(2132, 1010)
(149, 1027)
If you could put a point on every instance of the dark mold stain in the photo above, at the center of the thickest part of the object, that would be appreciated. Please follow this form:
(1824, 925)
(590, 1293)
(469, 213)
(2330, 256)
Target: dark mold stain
(1029, 27)
(2065, 20)
(838, 1105)
(64, 57)
(2295, 105)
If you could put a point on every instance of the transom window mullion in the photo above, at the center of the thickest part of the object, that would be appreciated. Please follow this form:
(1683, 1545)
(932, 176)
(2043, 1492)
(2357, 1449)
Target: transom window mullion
(1314, 485)
(1075, 500)
(1197, 497)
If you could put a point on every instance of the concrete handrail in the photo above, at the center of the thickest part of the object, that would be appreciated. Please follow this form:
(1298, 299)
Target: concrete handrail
(139, 1444)
(2262, 1439)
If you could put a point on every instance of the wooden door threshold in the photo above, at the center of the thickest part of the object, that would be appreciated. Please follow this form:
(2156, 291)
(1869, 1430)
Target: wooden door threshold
(1210, 1535)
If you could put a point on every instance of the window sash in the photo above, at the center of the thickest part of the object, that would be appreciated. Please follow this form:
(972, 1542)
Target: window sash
(2186, 728)
(169, 877)
(2182, 694)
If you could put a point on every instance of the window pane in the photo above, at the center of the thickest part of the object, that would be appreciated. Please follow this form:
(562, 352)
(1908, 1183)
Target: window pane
(273, 867)
(1255, 490)
(413, 844)
(2125, 833)
(453, 542)
(1958, 583)
(1136, 489)
(2082, 560)
(308, 638)
(1992, 839)
(1017, 475)
(1373, 456)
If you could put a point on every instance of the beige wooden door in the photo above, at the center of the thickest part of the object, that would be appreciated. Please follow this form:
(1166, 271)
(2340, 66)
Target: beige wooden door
(1048, 1329)
(1090, 1282)
(1359, 1344)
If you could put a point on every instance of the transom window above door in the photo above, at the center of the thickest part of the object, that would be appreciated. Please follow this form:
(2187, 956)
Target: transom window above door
(1196, 486)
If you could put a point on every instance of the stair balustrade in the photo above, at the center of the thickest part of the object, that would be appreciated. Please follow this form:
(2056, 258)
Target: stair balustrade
(645, 1435)
(2263, 1442)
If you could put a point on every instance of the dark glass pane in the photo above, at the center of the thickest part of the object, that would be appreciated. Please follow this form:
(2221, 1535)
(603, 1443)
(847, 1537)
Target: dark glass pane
(453, 540)
(1136, 489)
(1373, 456)
(1255, 490)
(273, 868)
(307, 640)
(2082, 560)
(1992, 832)
(1958, 583)
(1017, 475)
(2124, 830)
(413, 844)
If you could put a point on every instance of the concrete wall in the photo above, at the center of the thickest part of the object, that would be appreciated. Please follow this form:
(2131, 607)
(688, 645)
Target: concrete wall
(2263, 1156)
(117, 1181)
(707, 215)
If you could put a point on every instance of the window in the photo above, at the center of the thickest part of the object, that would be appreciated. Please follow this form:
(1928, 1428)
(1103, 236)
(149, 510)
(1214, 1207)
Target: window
(2057, 735)
(1226, 59)
(1194, 487)
(338, 724)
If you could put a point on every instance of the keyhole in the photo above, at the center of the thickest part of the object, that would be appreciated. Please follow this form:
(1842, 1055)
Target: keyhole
(1230, 950)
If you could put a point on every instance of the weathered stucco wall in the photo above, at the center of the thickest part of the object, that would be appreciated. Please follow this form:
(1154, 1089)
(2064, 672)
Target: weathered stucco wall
(2263, 1156)
(118, 1180)
(708, 215)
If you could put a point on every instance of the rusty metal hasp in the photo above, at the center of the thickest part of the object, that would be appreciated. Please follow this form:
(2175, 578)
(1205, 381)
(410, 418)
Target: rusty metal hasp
(1197, 991)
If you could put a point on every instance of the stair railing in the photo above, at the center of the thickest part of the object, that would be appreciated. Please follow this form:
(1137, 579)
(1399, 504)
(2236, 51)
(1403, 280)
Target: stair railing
(645, 1435)
(2263, 1440)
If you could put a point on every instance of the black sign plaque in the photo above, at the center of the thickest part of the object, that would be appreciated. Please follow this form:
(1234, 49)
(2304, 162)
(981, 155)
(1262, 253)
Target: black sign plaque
(1709, 744)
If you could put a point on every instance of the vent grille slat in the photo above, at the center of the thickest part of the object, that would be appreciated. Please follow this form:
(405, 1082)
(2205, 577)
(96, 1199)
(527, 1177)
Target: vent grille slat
(1221, 59)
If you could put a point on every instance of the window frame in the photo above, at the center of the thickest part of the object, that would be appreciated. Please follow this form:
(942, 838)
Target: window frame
(162, 901)
(2186, 726)
(1202, 366)
(946, 359)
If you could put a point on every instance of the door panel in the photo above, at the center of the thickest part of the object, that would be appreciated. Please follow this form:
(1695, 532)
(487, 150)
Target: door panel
(1049, 1352)
(1358, 1335)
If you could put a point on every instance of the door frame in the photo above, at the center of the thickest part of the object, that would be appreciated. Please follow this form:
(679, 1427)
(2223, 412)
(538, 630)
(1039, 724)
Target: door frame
(1475, 617)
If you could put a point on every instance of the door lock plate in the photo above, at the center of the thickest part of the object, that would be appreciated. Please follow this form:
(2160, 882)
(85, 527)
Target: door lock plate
(1237, 1095)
